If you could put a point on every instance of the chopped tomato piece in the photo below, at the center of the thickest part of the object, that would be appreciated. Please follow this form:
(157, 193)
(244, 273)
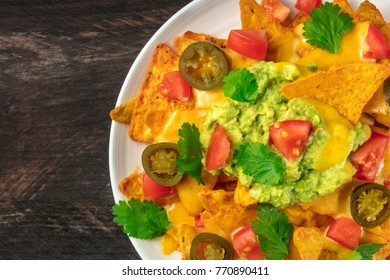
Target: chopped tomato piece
(277, 10)
(248, 42)
(174, 87)
(376, 45)
(152, 190)
(290, 137)
(246, 245)
(368, 157)
(218, 150)
(307, 5)
(345, 231)
(198, 221)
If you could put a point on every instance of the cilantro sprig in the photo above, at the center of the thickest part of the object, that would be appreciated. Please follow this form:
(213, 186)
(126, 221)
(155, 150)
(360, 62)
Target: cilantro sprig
(190, 152)
(240, 85)
(365, 251)
(144, 220)
(259, 162)
(274, 231)
(327, 27)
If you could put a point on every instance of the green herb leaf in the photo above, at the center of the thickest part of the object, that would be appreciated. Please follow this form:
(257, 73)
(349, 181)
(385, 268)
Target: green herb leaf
(327, 27)
(365, 251)
(274, 231)
(240, 85)
(144, 220)
(259, 162)
(190, 149)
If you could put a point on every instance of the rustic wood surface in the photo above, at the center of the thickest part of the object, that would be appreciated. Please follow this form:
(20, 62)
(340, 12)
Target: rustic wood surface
(62, 64)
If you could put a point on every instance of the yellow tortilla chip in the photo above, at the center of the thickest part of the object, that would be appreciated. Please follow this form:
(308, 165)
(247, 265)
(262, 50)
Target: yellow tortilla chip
(385, 30)
(347, 88)
(123, 112)
(377, 104)
(242, 195)
(229, 215)
(298, 19)
(280, 38)
(149, 99)
(369, 12)
(312, 244)
(182, 236)
(182, 42)
(345, 7)
(131, 186)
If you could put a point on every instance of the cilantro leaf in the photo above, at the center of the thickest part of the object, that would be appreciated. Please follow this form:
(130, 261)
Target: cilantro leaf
(327, 27)
(273, 230)
(144, 220)
(240, 85)
(190, 149)
(258, 161)
(365, 251)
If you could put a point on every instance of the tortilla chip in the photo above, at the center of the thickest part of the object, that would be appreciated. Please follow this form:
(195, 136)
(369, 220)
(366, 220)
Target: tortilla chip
(325, 205)
(369, 12)
(385, 30)
(123, 112)
(131, 186)
(312, 244)
(182, 42)
(182, 236)
(377, 104)
(229, 215)
(345, 7)
(299, 18)
(149, 99)
(384, 253)
(280, 38)
(242, 195)
(347, 88)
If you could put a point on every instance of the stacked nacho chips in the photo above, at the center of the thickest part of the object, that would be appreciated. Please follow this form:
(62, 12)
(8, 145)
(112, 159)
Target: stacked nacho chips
(352, 86)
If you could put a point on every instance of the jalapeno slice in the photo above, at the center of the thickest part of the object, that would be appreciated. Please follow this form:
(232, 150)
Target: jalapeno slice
(203, 65)
(210, 246)
(159, 162)
(370, 204)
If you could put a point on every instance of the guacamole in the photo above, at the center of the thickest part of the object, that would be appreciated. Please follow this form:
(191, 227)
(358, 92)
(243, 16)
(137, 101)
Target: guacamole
(318, 171)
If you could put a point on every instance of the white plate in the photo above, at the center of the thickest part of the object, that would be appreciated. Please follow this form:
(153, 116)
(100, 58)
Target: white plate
(215, 18)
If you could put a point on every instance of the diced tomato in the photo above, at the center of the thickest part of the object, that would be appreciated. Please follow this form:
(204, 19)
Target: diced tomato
(277, 10)
(152, 190)
(307, 5)
(198, 221)
(246, 245)
(248, 42)
(344, 231)
(376, 45)
(290, 137)
(174, 87)
(218, 149)
(368, 157)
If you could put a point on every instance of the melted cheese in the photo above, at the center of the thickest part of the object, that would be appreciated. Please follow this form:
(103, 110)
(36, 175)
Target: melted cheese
(237, 60)
(178, 214)
(204, 99)
(340, 141)
(172, 126)
(350, 50)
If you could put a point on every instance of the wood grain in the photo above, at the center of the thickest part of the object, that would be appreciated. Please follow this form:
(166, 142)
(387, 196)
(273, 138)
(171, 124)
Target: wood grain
(62, 64)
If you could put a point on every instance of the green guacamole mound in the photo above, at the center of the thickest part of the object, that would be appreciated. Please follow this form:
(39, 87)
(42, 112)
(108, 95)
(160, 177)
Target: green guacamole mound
(249, 122)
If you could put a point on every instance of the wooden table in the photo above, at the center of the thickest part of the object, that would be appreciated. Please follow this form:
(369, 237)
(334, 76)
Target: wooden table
(62, 64)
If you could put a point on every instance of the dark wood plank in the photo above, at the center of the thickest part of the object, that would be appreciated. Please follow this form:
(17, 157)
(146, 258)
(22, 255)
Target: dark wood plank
(62, 64)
